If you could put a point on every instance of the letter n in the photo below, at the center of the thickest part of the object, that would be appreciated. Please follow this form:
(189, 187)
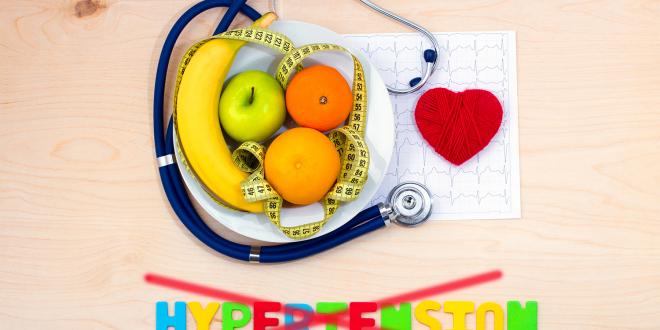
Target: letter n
(519, 318)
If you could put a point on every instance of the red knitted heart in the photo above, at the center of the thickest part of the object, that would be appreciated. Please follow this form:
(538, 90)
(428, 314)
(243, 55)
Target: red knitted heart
(458, 125)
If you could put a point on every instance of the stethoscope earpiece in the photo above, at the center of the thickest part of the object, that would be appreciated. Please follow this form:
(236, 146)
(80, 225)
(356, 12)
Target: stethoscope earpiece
(414, 81)
(430, 55)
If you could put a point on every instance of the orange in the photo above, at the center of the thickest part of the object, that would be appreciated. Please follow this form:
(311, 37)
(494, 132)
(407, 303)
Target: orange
(302, 164)
(319, 97)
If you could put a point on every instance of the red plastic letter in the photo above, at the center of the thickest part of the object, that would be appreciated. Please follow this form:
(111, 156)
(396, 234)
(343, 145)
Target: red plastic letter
(260, 309)
(355, 311)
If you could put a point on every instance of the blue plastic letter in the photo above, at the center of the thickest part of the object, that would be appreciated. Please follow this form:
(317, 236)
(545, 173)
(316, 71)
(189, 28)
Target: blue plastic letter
(163, 319)
(299, 309)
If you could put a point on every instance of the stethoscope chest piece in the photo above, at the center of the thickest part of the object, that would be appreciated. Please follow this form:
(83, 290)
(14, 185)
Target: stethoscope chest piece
(410, 203)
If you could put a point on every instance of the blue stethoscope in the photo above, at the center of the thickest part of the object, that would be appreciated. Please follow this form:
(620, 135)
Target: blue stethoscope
(408, 203)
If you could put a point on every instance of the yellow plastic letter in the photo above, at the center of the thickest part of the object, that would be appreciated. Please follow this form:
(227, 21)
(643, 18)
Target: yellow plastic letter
(498, 316)
(424, 318)
(203, 316)
(459, 309)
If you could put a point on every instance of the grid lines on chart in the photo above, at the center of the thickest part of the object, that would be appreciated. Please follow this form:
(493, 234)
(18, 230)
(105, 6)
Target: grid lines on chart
(488, 185)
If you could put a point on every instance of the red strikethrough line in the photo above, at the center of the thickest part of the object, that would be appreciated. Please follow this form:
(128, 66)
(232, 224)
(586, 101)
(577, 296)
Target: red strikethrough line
(322, 318)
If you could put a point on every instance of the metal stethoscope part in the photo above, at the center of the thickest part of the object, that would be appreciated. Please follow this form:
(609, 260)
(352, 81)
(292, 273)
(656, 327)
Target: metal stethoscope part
(408, 203)
(430, 55)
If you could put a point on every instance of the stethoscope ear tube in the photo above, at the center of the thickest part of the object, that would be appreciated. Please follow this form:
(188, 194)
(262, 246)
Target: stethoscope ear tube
(430, 55)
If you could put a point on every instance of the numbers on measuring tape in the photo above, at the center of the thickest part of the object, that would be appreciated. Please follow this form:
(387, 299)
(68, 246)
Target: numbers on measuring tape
(348, 140)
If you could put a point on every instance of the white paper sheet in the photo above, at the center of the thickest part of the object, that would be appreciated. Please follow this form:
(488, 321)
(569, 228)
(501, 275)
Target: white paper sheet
(488, 185)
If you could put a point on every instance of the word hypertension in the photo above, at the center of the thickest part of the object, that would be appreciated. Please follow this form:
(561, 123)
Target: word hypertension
(356, 315)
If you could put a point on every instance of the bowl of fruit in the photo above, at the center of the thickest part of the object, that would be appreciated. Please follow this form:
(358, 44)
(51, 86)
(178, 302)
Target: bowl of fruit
(270, 143)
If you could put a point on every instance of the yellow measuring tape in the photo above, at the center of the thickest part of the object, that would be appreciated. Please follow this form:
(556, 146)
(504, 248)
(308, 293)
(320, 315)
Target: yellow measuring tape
(348, 140)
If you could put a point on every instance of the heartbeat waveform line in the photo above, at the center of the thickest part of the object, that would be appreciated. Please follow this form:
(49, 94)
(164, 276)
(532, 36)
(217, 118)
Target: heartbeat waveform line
(390, 49)
(442, 49)
(476, 196)
(466, 60)
(500, 47)
(381, 70)
(452, 174)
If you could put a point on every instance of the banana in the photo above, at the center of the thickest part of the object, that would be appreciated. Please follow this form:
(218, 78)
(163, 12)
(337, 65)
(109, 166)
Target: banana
(197, 120)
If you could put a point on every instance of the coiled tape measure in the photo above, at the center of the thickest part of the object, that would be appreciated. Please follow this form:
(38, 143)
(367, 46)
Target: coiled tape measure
(348, 140)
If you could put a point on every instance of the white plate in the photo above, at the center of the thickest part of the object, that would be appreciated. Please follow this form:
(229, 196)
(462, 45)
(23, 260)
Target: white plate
(379, 136)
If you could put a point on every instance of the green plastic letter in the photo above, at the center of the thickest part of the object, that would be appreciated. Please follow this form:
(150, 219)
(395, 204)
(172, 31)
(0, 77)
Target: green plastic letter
(519, 318)
(332, 308)
(393, 319)
(228, 321)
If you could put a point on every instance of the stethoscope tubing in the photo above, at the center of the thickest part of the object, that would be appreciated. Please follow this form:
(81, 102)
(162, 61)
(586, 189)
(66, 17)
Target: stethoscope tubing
(177, 197)
(366, 221)
(166, 53)
(369, 214)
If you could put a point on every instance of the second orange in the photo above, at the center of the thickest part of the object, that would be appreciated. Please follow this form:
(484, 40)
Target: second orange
(319, 97)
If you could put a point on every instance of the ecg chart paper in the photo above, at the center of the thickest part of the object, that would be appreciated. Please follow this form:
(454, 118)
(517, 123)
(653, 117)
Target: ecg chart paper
(488, 185)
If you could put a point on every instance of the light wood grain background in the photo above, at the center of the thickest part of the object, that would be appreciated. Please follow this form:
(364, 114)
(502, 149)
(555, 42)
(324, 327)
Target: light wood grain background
(83, 216)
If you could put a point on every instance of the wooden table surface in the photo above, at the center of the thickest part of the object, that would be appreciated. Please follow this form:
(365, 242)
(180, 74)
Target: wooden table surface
(84, 217)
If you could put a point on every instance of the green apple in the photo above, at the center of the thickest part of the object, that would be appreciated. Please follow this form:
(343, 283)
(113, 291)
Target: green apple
(252, 106)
